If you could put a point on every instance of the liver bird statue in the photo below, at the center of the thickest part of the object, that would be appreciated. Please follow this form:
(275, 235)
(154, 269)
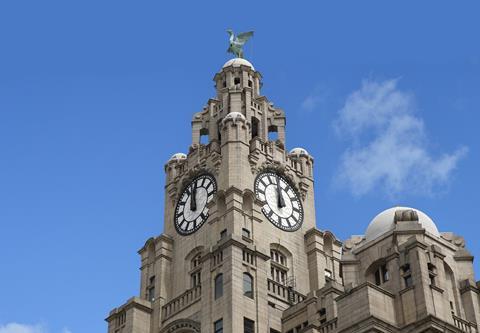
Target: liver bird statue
(237, 42)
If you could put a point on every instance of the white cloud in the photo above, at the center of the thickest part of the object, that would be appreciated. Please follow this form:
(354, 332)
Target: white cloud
(26, 328)
(21, 328)
(388, 148)
(315, 99)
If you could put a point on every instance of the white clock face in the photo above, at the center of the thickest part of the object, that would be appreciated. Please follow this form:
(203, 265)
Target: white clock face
(282, 205)
(191, 211)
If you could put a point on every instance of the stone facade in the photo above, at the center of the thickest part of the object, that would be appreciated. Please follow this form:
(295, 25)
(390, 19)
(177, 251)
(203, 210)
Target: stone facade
(240, 273)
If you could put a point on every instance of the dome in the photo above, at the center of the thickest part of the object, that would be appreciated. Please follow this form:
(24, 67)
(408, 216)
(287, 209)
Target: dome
(299, 152)
(234, 116)
(385, 222)
(237, 62)
(178, 157)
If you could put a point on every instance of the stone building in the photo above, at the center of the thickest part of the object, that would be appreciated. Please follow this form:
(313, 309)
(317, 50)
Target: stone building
(240, 251)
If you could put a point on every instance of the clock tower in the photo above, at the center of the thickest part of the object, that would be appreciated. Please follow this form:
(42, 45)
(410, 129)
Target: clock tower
(239, 245)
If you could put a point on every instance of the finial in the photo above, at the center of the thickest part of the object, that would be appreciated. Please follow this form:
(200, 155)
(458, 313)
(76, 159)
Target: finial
(237, 42)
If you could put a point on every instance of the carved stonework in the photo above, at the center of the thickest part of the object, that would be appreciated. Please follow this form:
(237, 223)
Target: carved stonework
(182, 326)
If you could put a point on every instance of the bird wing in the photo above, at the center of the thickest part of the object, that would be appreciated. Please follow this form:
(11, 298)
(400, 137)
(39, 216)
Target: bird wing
(244, 36)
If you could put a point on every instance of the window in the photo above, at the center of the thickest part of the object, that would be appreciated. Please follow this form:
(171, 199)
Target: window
(246, 233)
(223, 234)
(278, 272)
(204, 136)
(151, 289)
(247, 285)
(248, 325)
(196, 261)
(328, 275)
(248, 257)
(272, 133)
(432, 273)
(255, 123)
(236, 80)
(196, 274)
(219, 286)
(250, 83)
(407, 275)
(121, 319)
(381, 275)
(196, 279)
(408, 281)
(218, 326)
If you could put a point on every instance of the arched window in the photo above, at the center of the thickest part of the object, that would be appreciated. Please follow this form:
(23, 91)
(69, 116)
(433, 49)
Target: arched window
(247, 285)
(278, 267)
(196, 272)
(218, 286)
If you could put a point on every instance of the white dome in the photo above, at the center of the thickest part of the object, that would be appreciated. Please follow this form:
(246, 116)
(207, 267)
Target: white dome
(237, 62)
(178, 157)
(234, 116)
(299, 151)
(385, 222)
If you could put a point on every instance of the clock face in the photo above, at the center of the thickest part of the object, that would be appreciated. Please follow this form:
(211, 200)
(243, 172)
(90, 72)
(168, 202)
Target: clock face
(191, 211)
(282, 205)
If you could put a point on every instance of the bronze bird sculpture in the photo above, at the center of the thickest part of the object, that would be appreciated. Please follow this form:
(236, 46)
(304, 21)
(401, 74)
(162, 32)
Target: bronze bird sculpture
(237, 42)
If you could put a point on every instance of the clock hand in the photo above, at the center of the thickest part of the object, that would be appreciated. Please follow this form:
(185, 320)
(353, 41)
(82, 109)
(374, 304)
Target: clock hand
(281, 201)
(193, 199)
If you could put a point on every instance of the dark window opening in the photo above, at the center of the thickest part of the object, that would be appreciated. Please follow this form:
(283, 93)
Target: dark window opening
(218, 326)
(328, 275)
(408, 281)
(407, 275)
(219, 286)
(385, 274)
(272, 133)
(224, 84)
(151, 289)
(381, 275)
(378, 281)
(432, 273)
(204, 136)
(255, 125)
(223, 233)
(248, 325)
(247, 285)
(151, 294)
(250, 83)
(236, 80)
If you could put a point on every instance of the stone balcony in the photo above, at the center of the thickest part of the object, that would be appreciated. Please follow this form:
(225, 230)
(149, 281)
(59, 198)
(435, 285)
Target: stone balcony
(284, 293)
(181, 302)
(465, 326)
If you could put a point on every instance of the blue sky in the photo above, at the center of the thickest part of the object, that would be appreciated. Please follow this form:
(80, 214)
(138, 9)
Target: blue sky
(92, 92)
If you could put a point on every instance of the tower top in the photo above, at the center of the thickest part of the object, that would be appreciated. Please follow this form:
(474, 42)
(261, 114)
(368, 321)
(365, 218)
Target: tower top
(238, 62)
